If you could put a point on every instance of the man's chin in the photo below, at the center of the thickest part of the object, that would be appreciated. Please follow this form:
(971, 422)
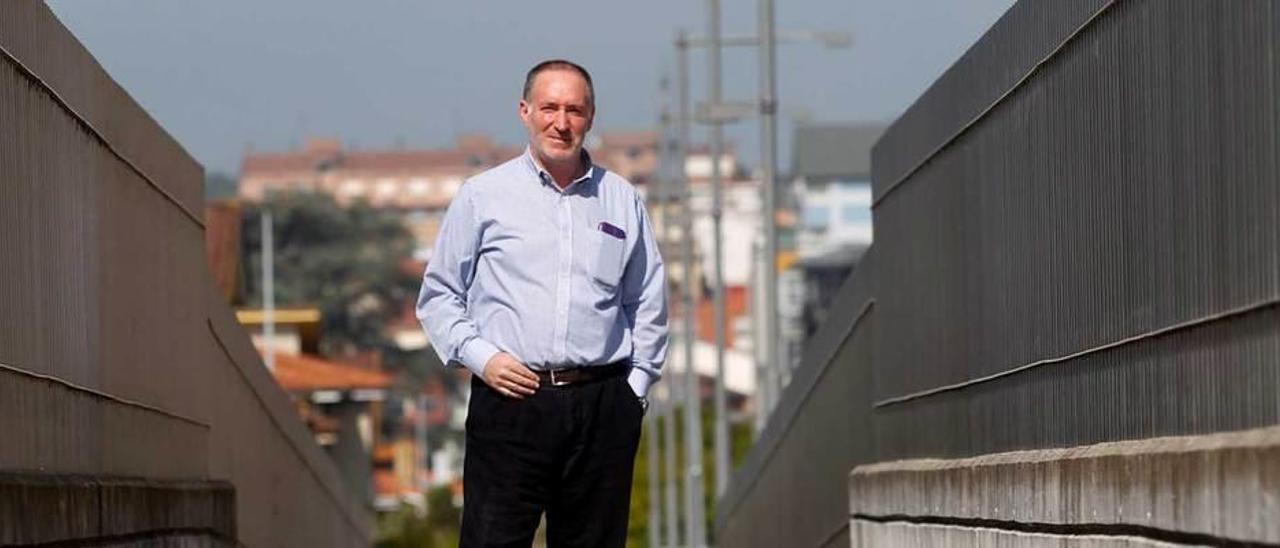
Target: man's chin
(559, 153)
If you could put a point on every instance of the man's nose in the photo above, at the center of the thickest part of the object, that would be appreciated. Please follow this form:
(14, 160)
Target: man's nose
(562, 121)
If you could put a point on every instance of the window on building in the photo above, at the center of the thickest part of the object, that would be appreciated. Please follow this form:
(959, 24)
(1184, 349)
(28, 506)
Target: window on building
(451, 186)
(816, 218)
(387, 187)
(855, 214)
(352, 187)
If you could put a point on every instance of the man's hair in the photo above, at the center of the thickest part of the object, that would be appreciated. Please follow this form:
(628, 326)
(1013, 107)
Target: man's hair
(559, 64)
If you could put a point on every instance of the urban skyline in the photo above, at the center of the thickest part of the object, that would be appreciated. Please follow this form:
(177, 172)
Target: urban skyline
(228, 76)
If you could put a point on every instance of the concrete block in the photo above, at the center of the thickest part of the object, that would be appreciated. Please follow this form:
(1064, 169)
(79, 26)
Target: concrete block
(867, 534)
(1224, 486)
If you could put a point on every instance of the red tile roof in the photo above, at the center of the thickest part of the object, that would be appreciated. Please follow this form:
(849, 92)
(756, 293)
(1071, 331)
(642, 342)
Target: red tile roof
(276, 162)
(304, 373)
(407, 160)
(472, 155)
(385, 483)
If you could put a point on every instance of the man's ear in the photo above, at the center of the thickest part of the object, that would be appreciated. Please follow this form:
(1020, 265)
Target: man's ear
(523, 110)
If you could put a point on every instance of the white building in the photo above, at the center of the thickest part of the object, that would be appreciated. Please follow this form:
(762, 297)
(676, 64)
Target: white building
(831, 174)
(831, 183)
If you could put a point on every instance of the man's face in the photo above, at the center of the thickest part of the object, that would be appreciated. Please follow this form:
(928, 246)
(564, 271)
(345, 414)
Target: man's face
(558, 114)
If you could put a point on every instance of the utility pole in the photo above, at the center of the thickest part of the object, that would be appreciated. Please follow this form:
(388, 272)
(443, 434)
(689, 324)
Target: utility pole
(694, 536)
(757, 322)
(717, 212)
(771, 368)
(659, 199)
(424, 454)
(769, 163)
(674, 156)
(655, 514)
(268, 290)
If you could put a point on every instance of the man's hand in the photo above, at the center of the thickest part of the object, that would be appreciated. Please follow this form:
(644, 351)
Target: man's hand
(509, 377)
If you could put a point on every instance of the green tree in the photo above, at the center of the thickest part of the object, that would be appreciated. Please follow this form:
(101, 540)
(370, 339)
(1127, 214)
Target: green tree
(741, 436)
(350, 262)
(408, 528)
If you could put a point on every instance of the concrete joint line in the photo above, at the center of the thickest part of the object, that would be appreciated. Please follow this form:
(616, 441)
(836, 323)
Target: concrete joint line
(98, 394)
(97, 135)
(1082, 531)
(1196, 322)
(747, 478)
(298, 452)
(138, 538)
(1218, 489)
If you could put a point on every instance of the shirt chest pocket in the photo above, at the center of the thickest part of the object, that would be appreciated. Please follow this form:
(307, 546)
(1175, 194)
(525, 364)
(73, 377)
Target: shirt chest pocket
(608, 263)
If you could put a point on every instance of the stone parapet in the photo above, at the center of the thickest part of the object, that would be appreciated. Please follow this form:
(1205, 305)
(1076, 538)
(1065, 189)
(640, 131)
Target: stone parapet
(1208, 488)
(911, 534)
(52, 509)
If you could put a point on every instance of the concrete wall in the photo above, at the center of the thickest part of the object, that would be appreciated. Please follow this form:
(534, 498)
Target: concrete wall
(784, 493)
(118, 360)
(1204, 489)
(1076, 294)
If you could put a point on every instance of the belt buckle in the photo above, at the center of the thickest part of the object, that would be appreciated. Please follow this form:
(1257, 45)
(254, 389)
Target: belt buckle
(555, 382)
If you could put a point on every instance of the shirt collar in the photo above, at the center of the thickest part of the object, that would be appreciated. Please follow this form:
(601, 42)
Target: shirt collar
(545, 178)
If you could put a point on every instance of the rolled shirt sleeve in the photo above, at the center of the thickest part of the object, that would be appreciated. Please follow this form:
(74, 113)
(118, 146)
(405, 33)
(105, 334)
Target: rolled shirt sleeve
(442, 302)
(644, 303)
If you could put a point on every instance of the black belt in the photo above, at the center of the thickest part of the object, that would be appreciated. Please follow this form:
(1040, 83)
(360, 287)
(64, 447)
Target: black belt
(565, 376)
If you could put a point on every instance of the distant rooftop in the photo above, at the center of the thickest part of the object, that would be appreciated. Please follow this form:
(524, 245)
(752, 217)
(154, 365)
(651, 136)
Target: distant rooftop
(321, 154)
(834, 151)
(306, 373)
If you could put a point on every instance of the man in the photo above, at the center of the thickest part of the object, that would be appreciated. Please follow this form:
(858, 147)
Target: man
(547, 284)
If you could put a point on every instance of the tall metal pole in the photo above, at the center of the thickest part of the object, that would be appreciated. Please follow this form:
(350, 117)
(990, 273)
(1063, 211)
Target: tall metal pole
(424, 454)
(674, 152)
(670, 505)
(769, 162)
(268, 291)
(693, 405)
(655, 514)
(661, 191)
(717, 211)
(757, 322)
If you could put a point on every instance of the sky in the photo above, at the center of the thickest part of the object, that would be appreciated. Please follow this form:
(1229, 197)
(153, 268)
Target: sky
(229, 76)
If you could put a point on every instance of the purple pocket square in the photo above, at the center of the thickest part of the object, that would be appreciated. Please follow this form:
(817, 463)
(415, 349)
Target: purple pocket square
(613, 230)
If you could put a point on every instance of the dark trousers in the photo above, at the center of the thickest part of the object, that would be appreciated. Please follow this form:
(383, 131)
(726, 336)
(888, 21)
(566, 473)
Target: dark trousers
(566, 450)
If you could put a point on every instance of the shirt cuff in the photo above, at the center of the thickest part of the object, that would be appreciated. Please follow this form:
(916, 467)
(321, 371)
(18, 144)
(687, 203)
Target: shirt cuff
(639, 380)
(476, 353)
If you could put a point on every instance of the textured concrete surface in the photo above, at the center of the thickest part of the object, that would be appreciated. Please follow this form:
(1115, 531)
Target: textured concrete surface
(1224, 485)
(117, 357)
(48, 508)
(789, 491)
(869, 534)
(289, 493)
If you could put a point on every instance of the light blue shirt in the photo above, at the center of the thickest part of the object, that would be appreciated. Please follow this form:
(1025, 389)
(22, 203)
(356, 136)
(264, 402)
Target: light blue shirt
(556, 278)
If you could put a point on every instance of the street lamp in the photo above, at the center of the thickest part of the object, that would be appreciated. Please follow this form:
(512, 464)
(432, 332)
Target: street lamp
(834, 39)
(716, 113)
